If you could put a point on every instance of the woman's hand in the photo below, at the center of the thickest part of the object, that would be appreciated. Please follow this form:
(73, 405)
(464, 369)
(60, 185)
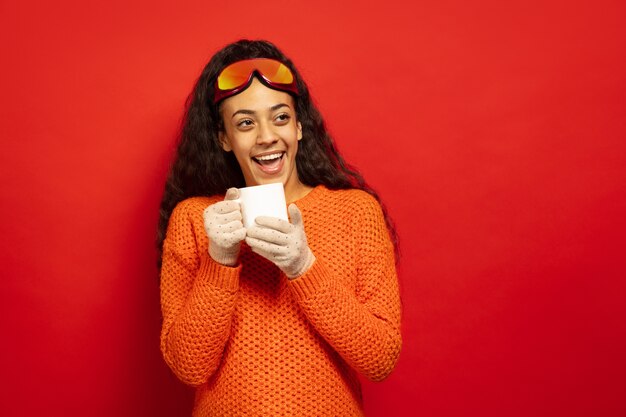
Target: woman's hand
(222, 222)
(282, 242)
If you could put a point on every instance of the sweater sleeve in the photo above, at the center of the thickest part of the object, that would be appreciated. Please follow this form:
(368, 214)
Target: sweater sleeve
(197, 301)
(362, 324)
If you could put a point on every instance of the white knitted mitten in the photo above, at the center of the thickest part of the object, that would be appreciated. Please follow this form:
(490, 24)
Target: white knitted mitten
(222, 222)
(282, 242)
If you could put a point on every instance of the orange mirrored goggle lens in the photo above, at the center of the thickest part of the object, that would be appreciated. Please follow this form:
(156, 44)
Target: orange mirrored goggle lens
(236, 77)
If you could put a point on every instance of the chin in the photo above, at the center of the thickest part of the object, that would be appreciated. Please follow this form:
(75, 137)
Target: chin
(282, 178)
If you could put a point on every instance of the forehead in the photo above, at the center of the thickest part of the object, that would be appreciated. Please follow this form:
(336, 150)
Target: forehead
(257, 97)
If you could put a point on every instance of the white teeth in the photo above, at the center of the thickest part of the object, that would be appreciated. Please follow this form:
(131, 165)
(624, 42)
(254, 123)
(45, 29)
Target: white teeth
(268, 157)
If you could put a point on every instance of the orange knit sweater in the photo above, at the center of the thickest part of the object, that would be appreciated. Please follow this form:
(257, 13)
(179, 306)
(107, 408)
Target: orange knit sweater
(257, 344)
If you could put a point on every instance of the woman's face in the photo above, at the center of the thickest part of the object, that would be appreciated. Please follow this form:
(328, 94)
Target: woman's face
(261, 129)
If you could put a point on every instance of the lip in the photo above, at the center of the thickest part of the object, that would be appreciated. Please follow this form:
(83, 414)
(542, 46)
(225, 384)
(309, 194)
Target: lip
(267, 170)
(269, 153)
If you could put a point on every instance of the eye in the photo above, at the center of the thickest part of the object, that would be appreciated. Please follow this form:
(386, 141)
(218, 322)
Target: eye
(244, 123)
(282, 118)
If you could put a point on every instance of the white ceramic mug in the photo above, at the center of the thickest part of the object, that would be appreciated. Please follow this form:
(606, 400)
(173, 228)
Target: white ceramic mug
(262, 200)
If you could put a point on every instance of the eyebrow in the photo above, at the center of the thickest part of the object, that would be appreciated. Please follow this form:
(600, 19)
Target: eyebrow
(273, 108)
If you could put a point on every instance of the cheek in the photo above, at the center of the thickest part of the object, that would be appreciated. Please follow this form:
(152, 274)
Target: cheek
(240, 143)
(292, 134)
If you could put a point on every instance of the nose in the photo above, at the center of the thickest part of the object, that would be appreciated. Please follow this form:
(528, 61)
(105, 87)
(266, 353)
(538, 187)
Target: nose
(266, 134)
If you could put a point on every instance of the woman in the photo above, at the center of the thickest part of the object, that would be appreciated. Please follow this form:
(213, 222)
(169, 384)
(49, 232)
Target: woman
(281, 317)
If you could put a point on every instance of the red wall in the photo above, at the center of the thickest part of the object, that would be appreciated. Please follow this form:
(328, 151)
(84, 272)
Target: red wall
(494, 131)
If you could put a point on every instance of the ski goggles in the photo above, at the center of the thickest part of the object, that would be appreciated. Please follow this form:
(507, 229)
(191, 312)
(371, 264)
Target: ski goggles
(237, 77)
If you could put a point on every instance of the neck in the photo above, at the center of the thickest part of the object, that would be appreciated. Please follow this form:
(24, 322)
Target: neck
(296, 191)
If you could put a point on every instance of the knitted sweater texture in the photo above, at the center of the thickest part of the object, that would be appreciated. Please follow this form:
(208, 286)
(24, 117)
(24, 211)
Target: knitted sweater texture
(254, 343)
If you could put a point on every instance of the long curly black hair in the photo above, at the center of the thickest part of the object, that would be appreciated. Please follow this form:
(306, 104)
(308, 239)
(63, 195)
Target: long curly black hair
(202, 167)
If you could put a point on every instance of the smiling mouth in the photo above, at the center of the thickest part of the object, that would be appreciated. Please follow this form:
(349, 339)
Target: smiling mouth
(270, 163)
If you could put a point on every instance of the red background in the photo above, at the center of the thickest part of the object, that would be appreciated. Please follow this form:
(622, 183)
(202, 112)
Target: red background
(493, 130)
